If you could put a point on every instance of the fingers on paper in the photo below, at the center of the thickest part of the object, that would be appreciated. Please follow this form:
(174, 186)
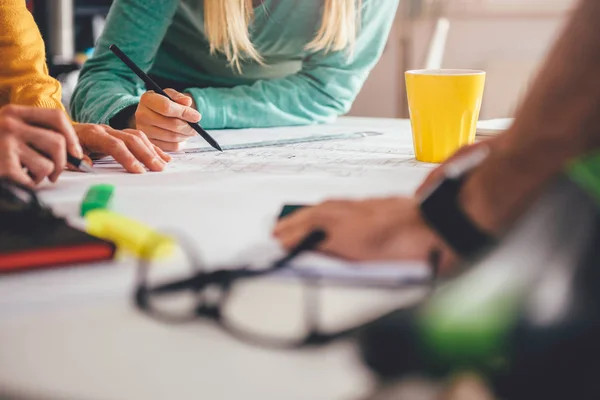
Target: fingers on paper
(10, 163)
(130, 147)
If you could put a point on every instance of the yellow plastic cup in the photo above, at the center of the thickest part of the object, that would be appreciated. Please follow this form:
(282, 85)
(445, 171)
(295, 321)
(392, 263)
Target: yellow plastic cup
(444, 108)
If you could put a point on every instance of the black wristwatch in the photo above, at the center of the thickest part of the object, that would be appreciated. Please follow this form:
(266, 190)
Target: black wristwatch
(442, 212)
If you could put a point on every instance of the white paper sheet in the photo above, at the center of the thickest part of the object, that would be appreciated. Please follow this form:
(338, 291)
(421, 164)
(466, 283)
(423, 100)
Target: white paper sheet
(235, 139)
(356, 152)
(261, 137)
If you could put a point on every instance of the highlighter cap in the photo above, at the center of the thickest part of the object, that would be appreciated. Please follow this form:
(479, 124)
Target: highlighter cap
(97, 197)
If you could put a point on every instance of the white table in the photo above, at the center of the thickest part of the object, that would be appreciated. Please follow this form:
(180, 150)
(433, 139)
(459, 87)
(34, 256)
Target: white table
(74, 333)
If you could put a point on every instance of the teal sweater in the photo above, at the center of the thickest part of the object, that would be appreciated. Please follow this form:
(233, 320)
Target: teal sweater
(166, 38)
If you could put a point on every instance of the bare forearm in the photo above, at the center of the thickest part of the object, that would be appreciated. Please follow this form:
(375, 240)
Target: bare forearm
(557, 122)
(563, 107)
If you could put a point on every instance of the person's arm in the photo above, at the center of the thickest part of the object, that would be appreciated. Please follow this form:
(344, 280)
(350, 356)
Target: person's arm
(106, 86)
(24, 78)
(558, 122)
(324, 88)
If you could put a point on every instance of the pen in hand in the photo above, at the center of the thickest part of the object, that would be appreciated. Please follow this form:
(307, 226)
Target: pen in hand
(154, 86)
(80, 164)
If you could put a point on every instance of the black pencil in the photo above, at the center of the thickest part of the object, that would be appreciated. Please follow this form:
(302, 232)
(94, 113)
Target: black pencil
(152, 85)
(78, 163)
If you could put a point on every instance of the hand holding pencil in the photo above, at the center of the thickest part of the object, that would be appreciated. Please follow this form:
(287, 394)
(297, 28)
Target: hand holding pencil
(167, 118)
(36, 144)
(165, 121)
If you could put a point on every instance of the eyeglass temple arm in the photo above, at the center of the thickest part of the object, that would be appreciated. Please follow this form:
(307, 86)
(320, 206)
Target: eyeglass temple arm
(197, 282)
(203, 279)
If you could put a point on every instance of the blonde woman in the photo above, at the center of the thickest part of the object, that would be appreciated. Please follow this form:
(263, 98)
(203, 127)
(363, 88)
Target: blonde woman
(231, 63)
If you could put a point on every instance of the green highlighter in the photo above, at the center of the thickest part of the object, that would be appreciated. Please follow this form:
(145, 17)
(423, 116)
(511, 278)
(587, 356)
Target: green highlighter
(97, 197)
(289, 209)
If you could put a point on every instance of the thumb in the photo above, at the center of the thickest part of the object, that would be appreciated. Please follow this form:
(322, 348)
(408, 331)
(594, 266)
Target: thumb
(179, 98)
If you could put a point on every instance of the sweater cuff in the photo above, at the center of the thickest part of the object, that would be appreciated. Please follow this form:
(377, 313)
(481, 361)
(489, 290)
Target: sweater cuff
(49, 103)
(121, 119)
(213, 116)
(116, 107)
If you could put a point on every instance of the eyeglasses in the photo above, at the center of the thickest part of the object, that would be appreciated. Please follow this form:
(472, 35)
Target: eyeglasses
(288, 315)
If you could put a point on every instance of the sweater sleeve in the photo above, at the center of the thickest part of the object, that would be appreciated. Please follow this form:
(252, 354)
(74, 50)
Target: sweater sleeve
(24, 75)
(106, 86)
(324, 88)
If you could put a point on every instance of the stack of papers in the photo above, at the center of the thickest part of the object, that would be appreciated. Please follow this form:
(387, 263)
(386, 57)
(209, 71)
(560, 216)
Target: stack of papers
(379, 274)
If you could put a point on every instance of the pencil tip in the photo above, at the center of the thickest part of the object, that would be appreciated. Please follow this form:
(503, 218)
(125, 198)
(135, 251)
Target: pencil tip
(85, 167)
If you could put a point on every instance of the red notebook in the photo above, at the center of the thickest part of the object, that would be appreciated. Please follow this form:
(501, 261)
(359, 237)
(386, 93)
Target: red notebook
(50, 246)
(31, 236)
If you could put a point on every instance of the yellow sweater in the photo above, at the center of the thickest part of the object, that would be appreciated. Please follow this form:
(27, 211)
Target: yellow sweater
(24, 75)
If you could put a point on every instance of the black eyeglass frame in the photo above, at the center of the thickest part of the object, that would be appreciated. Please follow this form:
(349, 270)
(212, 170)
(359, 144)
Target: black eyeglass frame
(210, 307)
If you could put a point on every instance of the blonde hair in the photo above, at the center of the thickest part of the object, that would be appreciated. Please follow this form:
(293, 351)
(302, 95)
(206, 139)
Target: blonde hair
(226, 24)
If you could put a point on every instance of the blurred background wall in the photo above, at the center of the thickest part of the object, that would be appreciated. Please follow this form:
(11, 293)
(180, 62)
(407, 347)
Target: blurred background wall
(506, 38)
